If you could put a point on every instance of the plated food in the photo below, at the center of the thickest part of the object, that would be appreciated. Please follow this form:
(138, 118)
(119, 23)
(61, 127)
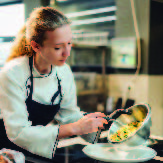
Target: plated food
(125, 131)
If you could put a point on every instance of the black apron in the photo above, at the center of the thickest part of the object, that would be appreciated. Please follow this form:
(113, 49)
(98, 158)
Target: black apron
(39, 114)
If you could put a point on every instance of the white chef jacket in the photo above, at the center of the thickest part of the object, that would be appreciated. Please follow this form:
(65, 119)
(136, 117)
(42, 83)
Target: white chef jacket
(14, 78)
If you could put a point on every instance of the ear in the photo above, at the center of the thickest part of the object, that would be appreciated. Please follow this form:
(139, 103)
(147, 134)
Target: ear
(35, 46)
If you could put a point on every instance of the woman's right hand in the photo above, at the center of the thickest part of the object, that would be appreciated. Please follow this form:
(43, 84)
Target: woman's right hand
(90, 123)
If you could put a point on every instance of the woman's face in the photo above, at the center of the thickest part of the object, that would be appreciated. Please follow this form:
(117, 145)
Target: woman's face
(57, 46)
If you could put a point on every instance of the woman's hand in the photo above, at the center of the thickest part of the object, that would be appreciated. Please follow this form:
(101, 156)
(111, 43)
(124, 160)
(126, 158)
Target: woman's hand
(90, 123)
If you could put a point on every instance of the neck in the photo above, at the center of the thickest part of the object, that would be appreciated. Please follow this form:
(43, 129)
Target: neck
(41, 65)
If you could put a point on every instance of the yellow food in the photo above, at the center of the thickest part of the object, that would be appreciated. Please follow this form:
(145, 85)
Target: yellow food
(138, 114)
(125, 132)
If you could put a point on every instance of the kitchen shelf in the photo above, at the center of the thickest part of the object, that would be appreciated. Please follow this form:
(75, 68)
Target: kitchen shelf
(89, 92)
(89, 45)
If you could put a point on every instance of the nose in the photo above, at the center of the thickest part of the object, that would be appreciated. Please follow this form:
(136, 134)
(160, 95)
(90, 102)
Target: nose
(66, 51)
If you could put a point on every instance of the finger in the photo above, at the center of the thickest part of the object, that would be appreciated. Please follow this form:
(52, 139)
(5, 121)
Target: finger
(100, 114)
(100, 128)
(96, 114)
(96, 129)
(102, 120)
(100, 125)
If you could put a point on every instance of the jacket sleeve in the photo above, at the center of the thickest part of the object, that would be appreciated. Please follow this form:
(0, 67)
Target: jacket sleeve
(39, 140)
(69, 111)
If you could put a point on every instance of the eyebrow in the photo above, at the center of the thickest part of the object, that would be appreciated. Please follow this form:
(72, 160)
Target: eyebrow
(59, 44)
(63, 43)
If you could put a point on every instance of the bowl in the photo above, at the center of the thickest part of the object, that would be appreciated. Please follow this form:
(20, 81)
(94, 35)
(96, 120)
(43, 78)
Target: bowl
(135, 128)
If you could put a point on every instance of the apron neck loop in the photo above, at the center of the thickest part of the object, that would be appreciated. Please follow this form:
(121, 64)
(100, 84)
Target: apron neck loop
(59, 87)
(31, 77)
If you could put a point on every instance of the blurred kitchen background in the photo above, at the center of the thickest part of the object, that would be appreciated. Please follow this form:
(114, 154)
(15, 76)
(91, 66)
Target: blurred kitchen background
(117, 54)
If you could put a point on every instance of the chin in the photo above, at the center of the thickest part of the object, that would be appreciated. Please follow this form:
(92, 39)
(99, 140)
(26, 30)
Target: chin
(59, 64)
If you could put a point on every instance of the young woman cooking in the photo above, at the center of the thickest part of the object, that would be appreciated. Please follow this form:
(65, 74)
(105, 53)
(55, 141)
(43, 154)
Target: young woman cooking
(37, 87)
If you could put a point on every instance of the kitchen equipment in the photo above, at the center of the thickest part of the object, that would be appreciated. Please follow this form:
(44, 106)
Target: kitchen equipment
(105, 152)
(129, 103)
(139, 114)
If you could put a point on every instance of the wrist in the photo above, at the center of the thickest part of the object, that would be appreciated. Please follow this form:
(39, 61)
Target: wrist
(76, 129)
(67, 130)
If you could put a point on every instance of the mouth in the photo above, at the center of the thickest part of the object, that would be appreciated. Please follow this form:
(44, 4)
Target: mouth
(63, 60)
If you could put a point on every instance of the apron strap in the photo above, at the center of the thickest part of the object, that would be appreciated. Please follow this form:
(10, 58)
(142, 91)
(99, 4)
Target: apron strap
(58, 92)
(31, 77)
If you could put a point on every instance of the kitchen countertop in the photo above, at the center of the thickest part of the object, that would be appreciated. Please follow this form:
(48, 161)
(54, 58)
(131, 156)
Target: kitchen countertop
(78, 144)
(72, 150)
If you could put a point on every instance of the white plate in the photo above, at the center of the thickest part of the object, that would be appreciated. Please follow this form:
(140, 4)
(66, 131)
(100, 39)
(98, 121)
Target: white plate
(105, 152)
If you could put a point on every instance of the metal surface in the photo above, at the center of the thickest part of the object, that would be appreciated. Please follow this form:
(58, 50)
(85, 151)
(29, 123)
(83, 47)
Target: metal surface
(140, 112)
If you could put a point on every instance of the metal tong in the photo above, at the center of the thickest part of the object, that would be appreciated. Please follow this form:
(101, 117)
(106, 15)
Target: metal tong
(116, 114)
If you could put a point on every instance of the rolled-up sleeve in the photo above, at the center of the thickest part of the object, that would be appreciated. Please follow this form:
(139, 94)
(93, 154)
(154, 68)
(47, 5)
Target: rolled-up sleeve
(39, 140)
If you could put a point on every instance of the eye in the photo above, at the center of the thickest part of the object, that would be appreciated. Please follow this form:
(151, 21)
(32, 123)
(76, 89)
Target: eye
(57, 48)
(69, 43)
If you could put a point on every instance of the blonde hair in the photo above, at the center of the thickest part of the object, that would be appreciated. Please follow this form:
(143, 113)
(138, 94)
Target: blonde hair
(41, 20)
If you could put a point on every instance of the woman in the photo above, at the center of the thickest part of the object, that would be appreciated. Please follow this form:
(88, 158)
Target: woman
(37, 88)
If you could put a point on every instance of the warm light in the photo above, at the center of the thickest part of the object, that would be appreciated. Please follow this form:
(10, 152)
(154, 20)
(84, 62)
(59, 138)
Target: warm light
(91, 12)
(94, 20)
(91, 35)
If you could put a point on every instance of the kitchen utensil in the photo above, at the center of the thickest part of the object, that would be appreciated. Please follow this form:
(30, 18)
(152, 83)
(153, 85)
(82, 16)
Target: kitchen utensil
(129, 103)
(137, 113)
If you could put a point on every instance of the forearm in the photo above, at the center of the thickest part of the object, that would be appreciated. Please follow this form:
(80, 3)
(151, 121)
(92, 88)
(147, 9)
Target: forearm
(68, 130)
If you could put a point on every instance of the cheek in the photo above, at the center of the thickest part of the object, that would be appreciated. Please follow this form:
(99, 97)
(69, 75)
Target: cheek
(55, 55)
(52, 54)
